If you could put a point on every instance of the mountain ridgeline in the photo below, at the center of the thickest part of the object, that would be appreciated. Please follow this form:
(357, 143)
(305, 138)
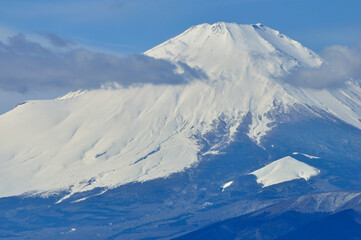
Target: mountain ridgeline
(239, 148)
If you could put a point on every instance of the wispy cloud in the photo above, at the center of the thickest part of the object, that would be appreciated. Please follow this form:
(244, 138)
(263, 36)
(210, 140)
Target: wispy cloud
(341, 64)
(56, 40)
(27, 65)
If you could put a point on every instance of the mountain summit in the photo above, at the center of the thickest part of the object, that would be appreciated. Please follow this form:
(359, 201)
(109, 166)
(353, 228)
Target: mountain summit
(227, 49)
(110, 137)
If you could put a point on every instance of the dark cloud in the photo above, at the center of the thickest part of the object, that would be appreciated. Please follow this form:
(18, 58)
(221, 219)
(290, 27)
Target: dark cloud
(341, 64)
(56, 40)
(26, 65)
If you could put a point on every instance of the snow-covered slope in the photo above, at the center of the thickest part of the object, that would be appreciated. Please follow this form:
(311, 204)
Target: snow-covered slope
(227, 50)
(283, 170)
(241, 64)
(109, 137)
(246, 61)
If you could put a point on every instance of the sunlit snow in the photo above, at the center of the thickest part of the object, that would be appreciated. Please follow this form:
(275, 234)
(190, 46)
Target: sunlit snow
(113, 136)
(283, 170)
(226, 185)
(306, 155)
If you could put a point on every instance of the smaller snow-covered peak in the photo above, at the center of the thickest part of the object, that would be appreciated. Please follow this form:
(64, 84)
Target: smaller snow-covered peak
(283, 170)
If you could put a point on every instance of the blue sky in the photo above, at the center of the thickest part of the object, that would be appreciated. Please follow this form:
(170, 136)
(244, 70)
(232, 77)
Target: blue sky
(133, 26)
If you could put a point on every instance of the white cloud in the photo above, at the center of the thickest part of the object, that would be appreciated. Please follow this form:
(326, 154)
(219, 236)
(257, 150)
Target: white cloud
(341, 64)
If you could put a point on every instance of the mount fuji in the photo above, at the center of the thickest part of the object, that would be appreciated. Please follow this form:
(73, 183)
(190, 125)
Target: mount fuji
(159, 161)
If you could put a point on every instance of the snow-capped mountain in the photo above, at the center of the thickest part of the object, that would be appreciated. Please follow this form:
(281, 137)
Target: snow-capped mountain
(160, 161)
(113, 136)
(283, 170)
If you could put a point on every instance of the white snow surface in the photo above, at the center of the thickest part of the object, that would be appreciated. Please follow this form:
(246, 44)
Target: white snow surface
(283, 170)
(112, 136)
(226, 185)
(306, 155)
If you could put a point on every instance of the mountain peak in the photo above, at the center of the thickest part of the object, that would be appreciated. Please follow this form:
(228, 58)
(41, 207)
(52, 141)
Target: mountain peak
(108, 137)
(222, 27)
(230, 48)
